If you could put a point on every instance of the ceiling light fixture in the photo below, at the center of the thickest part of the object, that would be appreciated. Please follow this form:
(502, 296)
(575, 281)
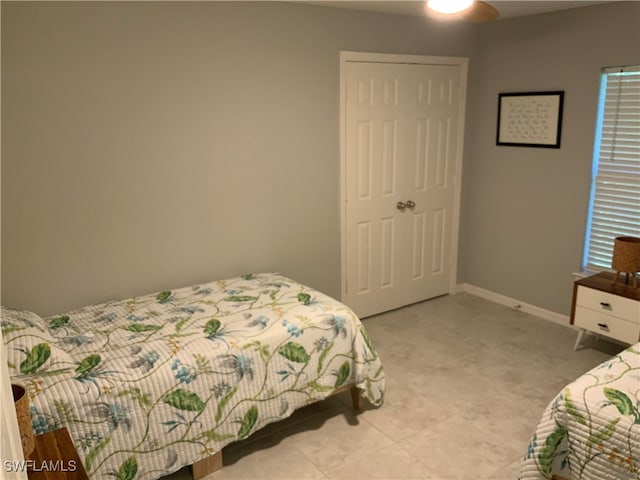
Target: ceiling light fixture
(449, 6)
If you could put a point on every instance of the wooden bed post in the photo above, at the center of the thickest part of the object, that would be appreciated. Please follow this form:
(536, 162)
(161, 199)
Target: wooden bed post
(206, 466)
(356, 399)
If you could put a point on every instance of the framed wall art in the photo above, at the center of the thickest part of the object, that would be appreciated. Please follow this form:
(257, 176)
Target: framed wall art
(530, 119)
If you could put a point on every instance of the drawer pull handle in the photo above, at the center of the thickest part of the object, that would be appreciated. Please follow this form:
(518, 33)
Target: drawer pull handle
(603, 326)
(606, 305)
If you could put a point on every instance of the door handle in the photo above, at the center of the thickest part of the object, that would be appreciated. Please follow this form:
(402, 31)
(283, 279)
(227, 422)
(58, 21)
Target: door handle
(401, 206)
(411, 204)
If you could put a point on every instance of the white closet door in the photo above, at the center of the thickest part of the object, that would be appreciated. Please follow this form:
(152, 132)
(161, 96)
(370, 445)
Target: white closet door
(401, 133)
(375, 144)
(432, 122)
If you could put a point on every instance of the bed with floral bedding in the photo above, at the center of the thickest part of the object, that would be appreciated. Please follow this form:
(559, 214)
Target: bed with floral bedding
(150, 384)
(591, 430)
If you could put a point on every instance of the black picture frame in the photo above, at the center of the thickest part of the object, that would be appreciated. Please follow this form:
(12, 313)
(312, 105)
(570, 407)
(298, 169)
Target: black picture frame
(530, 119)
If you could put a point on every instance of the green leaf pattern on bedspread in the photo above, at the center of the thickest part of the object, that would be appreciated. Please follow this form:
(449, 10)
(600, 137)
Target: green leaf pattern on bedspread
(150, 384)
(36, 357)
(591, 430)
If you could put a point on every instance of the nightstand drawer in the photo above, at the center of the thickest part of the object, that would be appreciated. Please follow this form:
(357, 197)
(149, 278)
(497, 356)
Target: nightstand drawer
(607, 325)
(606, 303)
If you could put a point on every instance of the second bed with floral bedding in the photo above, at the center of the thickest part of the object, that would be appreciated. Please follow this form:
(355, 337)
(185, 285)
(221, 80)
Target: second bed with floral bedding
(150, 384)
(591, 430)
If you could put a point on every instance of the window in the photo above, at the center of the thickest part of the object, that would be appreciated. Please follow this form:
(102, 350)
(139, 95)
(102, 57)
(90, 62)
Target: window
(614, 208)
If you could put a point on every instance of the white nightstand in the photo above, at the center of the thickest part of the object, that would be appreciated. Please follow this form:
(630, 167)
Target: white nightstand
(605, 308)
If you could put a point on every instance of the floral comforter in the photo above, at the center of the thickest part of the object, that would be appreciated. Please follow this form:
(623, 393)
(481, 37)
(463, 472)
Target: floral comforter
(150, 384)
(591, 430)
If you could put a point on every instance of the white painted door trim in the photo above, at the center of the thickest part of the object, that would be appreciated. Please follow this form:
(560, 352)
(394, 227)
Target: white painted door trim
(463, 63)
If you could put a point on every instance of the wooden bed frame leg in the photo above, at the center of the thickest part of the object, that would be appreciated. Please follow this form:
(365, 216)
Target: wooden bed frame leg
(206, 466)
(356, 399)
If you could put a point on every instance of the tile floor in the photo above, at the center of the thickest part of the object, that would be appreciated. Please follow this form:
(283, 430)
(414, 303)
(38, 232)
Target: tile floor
(467, 381)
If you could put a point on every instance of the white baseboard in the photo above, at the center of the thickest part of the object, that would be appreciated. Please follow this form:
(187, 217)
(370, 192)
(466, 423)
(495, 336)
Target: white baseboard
(513, 303)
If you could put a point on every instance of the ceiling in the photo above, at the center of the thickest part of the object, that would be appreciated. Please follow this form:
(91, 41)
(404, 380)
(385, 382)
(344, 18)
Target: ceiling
(507, 8)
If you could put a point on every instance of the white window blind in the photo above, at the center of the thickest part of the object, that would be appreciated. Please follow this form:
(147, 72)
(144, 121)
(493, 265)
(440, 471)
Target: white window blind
(615, 197)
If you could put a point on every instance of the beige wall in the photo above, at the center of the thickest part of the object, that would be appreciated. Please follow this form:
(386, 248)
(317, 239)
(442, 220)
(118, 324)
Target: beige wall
(152, 145)
(524, 209)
